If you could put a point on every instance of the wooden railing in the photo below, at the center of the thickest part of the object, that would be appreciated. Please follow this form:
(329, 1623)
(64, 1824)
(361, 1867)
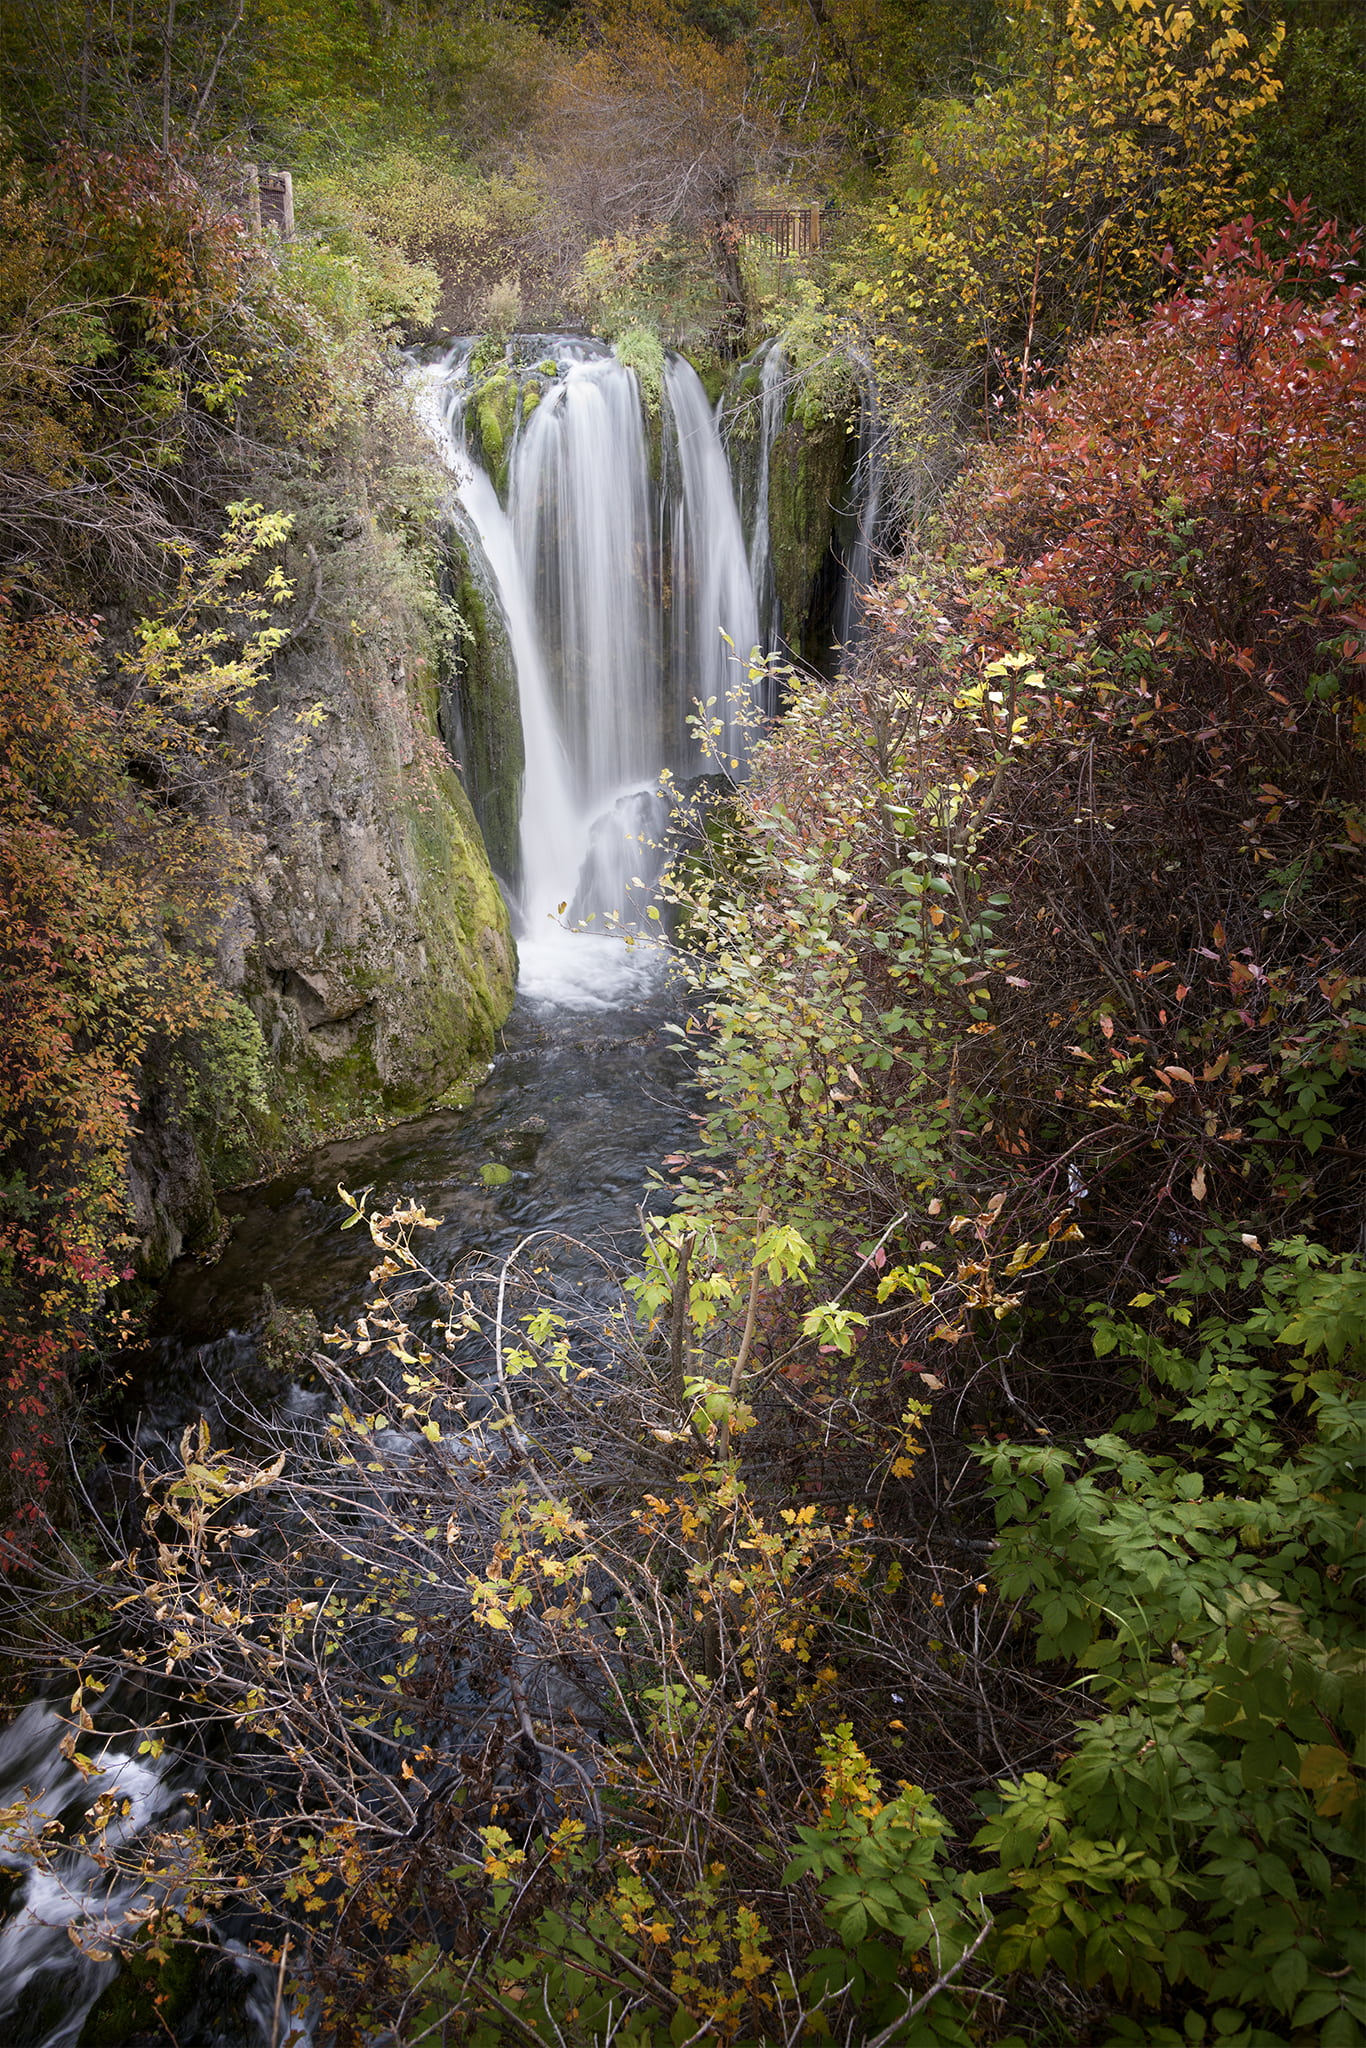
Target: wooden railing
(265, 199)
(785, 230)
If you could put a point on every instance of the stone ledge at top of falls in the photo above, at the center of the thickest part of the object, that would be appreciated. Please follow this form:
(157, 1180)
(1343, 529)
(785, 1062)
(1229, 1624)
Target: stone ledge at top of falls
(367, 952)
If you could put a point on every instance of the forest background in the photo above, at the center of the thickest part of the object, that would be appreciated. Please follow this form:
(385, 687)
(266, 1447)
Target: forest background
(977, 1488)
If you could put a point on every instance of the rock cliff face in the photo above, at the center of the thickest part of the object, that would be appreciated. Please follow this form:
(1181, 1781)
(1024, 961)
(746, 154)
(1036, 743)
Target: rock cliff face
(372, 942)
(793, 450)
(480, 714)
(367, 953)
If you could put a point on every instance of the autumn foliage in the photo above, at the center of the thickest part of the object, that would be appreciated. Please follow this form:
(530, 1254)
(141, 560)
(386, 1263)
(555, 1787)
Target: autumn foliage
(987, 1423)
(1176, 531)
(135, 309)
(1240, 400)
(1098, 786)
(1036, 1001)
(88, 974)
(122, 287)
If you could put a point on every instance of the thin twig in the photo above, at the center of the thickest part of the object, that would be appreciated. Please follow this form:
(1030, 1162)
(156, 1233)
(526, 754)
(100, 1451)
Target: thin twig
(918, 2005)
(279, 1995)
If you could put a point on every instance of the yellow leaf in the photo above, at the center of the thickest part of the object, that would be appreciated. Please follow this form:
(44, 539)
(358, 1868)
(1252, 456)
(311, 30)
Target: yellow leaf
(1327, 1770)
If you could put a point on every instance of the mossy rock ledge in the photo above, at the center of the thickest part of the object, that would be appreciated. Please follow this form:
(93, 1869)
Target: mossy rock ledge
(811, 465)
(480, 711)
(367, 957)
(811, 516)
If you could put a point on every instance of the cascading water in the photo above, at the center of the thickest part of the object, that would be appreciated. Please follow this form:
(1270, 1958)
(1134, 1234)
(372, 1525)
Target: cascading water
(66, 1916)
(716, 623)
(626, 591)
(581, 513)
(772, 391)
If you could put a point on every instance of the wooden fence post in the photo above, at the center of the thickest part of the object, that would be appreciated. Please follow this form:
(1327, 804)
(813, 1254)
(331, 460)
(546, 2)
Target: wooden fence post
(277, 201)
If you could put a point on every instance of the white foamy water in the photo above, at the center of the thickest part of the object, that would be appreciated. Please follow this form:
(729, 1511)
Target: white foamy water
(628, 599)
(579, 970)
(56, 1945)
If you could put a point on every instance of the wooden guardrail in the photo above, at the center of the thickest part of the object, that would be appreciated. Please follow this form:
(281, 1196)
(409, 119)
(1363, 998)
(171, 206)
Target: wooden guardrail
(266, 199)
(785, 230)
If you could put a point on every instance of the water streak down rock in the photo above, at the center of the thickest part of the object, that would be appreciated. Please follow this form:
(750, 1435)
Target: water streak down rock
(625, 585)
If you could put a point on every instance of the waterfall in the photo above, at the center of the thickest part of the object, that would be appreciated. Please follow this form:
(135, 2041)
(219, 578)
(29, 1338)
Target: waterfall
(716, 622)
(581, 512)
(623, 577)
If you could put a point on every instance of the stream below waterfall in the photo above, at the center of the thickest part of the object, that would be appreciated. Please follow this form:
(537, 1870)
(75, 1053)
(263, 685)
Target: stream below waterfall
(628, 590)
(577, 1108)
(585, 1096)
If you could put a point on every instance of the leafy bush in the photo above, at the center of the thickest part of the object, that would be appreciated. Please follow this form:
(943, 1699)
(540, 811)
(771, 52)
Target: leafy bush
(166, 374)
(112, 894)
(1019, 218)
(1207, 1829)
(640, 349)
(468, 233)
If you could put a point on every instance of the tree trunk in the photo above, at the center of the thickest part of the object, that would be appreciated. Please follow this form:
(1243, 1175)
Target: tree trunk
(725, 245)
(83, 116)
(168, 37)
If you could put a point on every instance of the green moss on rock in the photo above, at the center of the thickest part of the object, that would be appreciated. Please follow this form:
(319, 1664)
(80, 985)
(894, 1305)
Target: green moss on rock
(396, 1050)
(483, 714)
(488, 350)
(810, 466)
(493, 411)
(640, 349)
(713, 371)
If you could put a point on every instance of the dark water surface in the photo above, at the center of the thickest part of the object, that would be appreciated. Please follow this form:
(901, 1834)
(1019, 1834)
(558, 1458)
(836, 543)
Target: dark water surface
(586, 1095)
(578, 1107)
